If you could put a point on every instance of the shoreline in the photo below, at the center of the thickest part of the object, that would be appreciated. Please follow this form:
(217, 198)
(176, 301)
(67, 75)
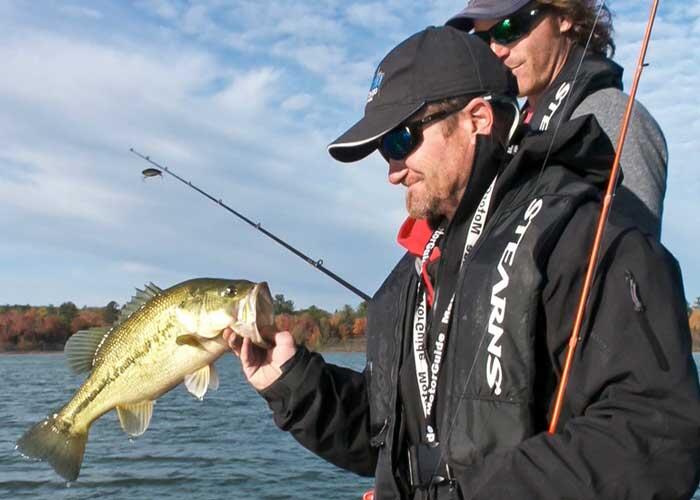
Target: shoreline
(20, 353)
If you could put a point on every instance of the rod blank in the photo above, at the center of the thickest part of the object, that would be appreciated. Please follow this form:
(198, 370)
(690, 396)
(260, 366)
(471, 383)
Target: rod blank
(318, 264)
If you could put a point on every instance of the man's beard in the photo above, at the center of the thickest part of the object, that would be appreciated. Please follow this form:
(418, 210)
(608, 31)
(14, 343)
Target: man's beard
(428, 209)
(431, 206)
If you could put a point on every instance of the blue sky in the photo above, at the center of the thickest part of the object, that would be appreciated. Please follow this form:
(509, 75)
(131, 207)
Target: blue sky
(242, 97)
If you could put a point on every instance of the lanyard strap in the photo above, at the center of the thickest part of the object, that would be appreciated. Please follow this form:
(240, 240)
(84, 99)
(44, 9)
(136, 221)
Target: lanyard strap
(427, 375)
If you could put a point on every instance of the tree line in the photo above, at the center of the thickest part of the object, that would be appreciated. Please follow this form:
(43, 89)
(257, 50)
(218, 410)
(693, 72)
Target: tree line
(46, 328)
(694, 320)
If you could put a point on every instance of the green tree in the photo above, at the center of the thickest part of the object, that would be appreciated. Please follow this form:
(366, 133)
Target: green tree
(696, 304)
(316, 313)
(110, 312)
(67, 312)
(362, 309)
(282, 306)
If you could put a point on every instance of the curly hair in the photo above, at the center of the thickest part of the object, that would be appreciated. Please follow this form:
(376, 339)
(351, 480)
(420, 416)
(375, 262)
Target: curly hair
(582, 14)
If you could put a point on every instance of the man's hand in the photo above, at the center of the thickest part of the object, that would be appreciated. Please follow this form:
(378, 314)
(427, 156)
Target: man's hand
(261, 366)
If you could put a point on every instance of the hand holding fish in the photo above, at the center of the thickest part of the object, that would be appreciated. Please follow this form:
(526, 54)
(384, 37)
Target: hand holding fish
(262, 367)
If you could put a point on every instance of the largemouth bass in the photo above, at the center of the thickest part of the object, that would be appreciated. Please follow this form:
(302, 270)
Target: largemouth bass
(162, 338)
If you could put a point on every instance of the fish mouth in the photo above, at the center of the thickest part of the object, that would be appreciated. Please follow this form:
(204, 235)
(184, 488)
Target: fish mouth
(254, 316)
(262, 305)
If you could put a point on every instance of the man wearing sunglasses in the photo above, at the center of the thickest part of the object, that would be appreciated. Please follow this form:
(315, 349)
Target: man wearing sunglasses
(466, 336)
(563, 74)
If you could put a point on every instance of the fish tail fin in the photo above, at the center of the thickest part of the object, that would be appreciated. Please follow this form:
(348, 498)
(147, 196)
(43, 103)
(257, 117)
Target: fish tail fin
(53, 440)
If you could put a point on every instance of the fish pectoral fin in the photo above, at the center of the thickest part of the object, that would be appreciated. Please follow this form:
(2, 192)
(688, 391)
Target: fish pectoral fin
(189, 339)
(198, 382)
(81, 347)
(135, 418)
(213, 378)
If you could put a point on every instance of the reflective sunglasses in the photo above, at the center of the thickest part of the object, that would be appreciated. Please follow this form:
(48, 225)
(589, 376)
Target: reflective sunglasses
(513, 27)
(400, 142)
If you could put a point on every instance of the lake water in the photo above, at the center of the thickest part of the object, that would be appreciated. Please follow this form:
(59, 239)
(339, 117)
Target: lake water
(225, 447)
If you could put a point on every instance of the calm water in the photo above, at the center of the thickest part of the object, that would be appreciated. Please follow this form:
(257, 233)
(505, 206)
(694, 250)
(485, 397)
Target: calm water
(225, 447)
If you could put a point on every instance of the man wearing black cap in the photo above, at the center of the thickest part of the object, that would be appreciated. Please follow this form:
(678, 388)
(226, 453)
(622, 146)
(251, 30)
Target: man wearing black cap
(467, 334)
(557, 49)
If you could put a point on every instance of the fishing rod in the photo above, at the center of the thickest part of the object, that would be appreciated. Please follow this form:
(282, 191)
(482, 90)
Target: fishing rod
(602, 221)
(318, 264)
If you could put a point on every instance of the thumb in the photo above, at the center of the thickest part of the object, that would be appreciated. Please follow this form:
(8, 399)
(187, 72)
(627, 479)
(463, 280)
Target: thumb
(284, 339)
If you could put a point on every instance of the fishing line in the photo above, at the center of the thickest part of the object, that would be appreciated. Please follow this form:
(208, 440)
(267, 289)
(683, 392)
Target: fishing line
(318, 264)
(600, 229)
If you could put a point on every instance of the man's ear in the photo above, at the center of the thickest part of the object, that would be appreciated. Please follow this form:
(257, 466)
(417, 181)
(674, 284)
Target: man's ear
(480, 116)
(565, 24)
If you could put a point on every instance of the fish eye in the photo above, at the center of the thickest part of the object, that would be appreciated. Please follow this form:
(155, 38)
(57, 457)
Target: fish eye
(229, 291)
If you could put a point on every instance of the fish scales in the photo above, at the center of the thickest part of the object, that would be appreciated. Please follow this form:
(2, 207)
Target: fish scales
(142, 340)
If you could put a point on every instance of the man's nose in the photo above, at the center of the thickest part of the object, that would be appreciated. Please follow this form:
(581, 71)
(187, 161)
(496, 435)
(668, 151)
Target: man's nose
(501, 51)
(397, 171)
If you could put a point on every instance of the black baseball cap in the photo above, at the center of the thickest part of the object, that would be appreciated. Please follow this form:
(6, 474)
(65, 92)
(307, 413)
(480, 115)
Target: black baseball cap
(434, 64)
(484, 9)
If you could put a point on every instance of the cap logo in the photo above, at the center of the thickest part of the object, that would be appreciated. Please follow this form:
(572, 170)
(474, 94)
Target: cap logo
(376, 84)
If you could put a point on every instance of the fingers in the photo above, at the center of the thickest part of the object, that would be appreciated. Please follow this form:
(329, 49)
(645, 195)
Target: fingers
(246, 352)
(232, 340)
(284, 339)
(284, 349)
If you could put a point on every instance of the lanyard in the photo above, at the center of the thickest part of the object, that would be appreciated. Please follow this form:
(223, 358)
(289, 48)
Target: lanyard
(427, 375)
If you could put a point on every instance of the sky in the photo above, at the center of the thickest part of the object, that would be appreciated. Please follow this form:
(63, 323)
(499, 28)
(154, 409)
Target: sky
(241, 97)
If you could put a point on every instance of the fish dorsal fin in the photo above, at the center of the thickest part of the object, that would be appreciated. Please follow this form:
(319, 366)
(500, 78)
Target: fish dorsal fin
(81, 347)
(134, 418)
(137, 301)
(198, 382)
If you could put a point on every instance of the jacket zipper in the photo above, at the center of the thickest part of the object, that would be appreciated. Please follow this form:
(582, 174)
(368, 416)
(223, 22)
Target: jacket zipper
(379, 438)
(643, 320)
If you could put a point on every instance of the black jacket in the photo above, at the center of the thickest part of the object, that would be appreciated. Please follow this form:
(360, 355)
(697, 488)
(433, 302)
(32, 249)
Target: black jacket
(631, 422)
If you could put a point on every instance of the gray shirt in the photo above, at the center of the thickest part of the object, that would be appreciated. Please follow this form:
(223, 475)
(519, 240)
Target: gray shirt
(644, 157)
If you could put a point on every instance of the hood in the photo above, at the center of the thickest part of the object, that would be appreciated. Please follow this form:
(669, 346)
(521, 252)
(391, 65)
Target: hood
(579, 145)
(583, 74)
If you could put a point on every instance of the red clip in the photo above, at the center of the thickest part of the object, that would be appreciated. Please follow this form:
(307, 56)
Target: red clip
(369, 495)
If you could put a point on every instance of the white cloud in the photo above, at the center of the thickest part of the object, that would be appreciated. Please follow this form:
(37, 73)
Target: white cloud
(297, 102)
(83, 12)
(374, 15)
(248, 92)
(58, 187)
(165, 9)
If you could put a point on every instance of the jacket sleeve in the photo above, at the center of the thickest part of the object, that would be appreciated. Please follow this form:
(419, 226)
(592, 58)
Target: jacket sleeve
(325, 408)
(644, 158)
(630, 428)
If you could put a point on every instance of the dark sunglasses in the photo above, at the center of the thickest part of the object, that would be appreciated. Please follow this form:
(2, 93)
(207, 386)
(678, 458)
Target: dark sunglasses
(400, 142)
(513, 27)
